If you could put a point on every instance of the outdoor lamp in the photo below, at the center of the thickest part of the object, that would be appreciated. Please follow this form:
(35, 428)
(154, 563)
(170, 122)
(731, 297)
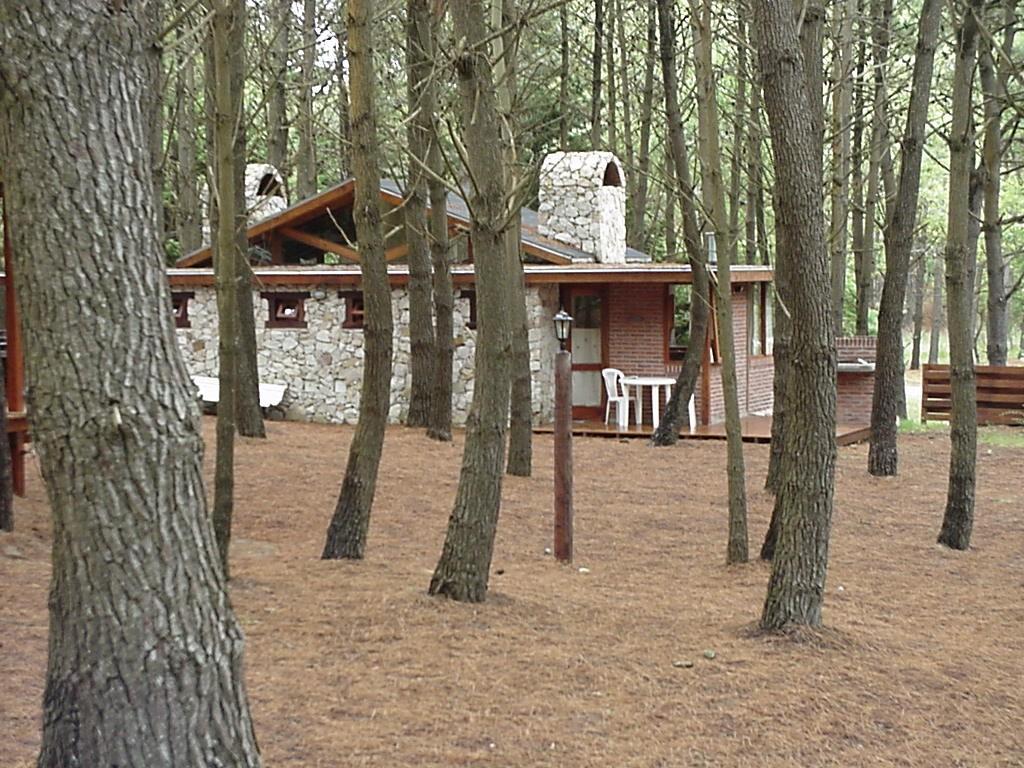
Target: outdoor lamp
(563, 324)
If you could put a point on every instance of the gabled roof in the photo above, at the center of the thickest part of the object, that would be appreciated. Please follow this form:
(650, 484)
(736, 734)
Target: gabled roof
(290, 221)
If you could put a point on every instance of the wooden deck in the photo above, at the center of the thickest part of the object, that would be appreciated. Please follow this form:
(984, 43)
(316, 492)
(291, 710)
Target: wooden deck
(756, 429)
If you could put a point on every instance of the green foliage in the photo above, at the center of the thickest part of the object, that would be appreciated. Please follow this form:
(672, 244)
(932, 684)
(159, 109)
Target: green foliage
(172, 251)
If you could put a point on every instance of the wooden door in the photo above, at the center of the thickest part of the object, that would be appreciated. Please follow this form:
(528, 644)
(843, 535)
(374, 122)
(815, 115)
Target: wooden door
(588, 305)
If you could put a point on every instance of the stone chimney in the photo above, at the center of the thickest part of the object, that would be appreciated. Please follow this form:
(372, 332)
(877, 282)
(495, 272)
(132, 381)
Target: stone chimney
(583, 203)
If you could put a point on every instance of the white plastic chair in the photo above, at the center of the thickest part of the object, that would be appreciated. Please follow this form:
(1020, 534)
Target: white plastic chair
(615, 393)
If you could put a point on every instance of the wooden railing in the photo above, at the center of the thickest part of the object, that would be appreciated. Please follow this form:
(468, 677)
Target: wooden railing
(999, 394)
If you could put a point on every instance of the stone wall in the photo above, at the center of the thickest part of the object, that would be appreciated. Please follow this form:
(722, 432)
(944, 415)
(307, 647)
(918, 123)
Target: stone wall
(577, 207)
(322, 364)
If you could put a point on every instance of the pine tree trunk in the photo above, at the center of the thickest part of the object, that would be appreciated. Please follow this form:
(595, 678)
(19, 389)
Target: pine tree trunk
(637, 233)
(713, 187)
(889, 391)
(155, 116)
(739, 145)
(463, 569)
(420, 135)
(138, 601)
(857, 213)
(248, 414)
(190, 227)
(439, 420)
(277, 99)
(346, 535)
(563, 78)
(842, 95)
(613, 97)
(596, 85)
(305, 163)
(627, 108)
(227, 18)
(994, 79)
(342, 100)
(881, 16)
(797, 586)
(812, 43)
(935, 334)
(520, 436)
(678, 169)
(671, 187)
(917, 301)
(963, 428)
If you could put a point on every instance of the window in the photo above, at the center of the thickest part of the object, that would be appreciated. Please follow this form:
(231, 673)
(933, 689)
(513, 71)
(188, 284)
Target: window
(354, 308)
(286, 309)
(179, 307)
(470, 296)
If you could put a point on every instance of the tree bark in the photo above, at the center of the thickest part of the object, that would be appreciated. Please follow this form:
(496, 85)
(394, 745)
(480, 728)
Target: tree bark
(596, 85)
(637, 234)
(811, 43)
(963, 421)
(420, 135)
(277, 99)
(713, 186)
(155, 110)
(842, 95)
(228, 17)
(563, 78)
(305, 163)
(935, 333)
(190, 226)
(520, 436)
(145, 655)
(248, 414)
(739, 145)
(463, 569)
(613, 98)
(439, 421)
(881, 16)
(857, 212)
(917, 302)
(677, 408)
(342, 101)
(346, 535)
(797, 586)
(889, 389)
(994, 80)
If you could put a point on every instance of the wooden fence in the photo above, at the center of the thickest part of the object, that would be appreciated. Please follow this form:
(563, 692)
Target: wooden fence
(999, 394)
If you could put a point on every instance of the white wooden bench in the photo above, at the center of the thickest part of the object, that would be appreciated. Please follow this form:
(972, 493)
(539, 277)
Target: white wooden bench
(209, 391)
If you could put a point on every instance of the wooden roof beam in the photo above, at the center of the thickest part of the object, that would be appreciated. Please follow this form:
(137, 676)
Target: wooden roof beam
(314, 241)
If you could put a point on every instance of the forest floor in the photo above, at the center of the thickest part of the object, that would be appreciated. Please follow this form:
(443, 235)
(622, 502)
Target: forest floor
(352, 664)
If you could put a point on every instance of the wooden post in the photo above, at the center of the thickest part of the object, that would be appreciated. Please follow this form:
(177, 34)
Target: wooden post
(15, 368)
(563, 456)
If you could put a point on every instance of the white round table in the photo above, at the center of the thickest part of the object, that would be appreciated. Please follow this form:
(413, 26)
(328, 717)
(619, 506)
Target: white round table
(655, 383)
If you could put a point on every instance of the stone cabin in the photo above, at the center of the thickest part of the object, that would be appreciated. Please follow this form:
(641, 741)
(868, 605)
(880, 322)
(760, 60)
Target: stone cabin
(309, 304)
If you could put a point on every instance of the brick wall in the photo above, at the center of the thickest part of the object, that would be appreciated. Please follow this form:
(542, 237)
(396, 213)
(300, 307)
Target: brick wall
(753, 374)
(852, 348)
(853, 400)
(855, 389)
(636, 345)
